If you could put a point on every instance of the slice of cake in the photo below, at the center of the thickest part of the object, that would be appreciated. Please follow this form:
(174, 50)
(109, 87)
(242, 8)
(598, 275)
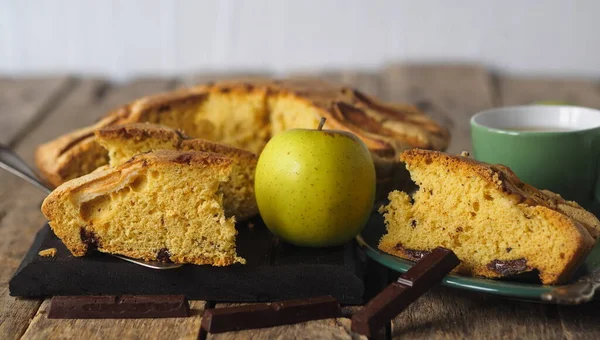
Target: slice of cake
(497, 225)
(126, 141)
(165, 205)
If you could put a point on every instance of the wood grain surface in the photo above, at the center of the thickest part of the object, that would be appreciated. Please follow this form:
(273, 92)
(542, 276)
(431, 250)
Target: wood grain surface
(523, 91)
(35, 110)
(451, 94)
(24, 100)
(84, 103)
(43, 328)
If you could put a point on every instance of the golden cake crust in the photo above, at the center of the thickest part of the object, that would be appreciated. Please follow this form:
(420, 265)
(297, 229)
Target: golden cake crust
(386, 129)
(177, 137)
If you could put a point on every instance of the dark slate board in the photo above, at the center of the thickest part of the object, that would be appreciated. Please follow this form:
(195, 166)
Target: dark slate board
(274, 271)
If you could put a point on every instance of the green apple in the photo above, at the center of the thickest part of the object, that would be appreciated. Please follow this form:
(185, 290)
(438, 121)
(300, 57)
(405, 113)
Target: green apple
(315, 187)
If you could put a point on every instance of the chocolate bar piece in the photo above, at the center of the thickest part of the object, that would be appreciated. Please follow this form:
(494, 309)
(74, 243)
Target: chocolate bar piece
(261, 315)
(117, 307)
(427, 272)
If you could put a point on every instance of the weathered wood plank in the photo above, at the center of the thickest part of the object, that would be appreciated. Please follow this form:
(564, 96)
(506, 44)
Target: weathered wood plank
(446, 313)
(169, 328)
(522, 91)
(338, 328)
(450, 94)
(21, 202)
(203, 78)
(94, 98)
(367, 82)
(578, 322)
(15, 314)
(23, 100)
(323, 329)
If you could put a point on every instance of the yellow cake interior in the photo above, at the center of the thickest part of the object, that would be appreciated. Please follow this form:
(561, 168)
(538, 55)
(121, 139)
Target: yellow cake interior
(238, 191)
(162, 210)
(456, 209)
(237, 119)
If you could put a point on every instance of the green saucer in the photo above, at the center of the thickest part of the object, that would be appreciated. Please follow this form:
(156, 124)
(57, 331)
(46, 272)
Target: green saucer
(369, 238)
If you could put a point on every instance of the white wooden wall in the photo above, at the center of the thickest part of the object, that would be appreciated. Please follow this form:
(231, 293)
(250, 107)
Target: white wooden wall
(124, 38)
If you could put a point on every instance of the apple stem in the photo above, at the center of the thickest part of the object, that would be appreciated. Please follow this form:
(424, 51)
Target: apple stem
(321, 123)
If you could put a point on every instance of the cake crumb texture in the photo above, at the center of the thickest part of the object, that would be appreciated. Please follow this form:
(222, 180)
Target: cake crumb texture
(245, 114)
(125, 141)
(163, 206)
(49, 252)
(497, 225)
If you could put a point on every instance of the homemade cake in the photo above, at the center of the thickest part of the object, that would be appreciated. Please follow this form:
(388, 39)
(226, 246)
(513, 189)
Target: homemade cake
(497, 225)
(246, 113)
(165, 205)
(126, 141)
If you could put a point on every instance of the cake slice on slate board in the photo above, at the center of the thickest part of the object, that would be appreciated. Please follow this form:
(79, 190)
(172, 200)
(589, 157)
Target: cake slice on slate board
(164, 205)
(497, 225)
(246, 113)
(126, 141)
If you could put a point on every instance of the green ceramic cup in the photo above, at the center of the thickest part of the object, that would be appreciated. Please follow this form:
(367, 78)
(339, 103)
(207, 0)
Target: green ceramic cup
(548, 146)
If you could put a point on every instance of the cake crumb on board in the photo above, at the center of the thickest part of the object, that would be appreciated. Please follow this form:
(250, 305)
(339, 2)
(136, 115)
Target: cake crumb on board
(50, 252)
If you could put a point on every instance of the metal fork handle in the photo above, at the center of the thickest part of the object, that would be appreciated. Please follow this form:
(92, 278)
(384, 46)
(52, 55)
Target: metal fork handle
(572, 294)
(14, 164)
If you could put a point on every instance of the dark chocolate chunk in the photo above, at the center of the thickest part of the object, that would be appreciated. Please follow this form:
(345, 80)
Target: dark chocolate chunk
(411, 254)
(413, 223)
(163, 255)
(399, 295)
(416, 255)
(508, 267)
(114, 307)
(89, 238)
(508, 250)
(261, 315)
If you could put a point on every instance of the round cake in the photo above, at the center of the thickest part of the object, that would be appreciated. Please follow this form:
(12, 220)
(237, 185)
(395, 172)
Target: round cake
(246, 113)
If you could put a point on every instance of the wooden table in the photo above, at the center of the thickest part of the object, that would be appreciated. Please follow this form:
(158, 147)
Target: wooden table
(35, 110)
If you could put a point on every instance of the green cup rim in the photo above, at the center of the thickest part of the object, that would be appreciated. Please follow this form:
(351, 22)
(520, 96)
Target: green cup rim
(474, 122)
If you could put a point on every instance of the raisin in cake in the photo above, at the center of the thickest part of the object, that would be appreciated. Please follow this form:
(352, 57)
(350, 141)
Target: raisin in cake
(246, 113)
(497, 225)
(163, 205)
(126, 141)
